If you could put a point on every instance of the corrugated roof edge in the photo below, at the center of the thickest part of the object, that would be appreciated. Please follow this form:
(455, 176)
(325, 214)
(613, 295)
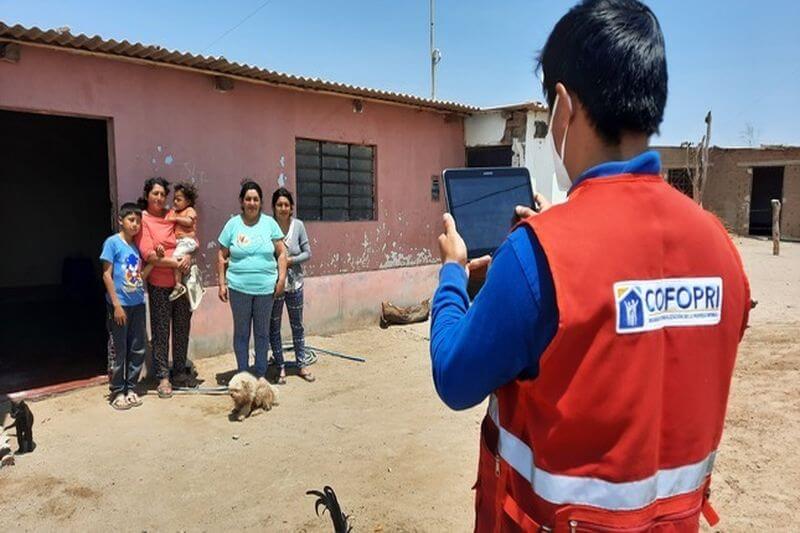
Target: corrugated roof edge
(216, 65)
(530, 105)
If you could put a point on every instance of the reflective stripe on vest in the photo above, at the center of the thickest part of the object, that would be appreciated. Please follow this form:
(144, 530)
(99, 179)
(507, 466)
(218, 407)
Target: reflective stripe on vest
(562, 489)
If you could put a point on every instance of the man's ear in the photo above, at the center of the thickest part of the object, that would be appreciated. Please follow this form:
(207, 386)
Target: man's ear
(565, 110)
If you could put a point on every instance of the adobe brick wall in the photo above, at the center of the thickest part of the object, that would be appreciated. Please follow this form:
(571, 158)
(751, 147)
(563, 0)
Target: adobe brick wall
(790, 219)
(730, 183)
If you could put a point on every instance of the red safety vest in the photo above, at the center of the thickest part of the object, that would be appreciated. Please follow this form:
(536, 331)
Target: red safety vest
(619, 430)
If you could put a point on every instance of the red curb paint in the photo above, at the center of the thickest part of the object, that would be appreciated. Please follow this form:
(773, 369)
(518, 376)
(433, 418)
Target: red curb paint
(58, 388)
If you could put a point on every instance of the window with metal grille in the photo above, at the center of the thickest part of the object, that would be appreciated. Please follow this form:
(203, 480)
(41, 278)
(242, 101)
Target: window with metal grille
(681, 179)
(335, 181)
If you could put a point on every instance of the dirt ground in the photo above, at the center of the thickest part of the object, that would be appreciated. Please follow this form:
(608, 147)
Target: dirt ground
(398, 459)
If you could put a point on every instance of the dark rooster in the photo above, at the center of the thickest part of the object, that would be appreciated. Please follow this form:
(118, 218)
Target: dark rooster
(327, 499)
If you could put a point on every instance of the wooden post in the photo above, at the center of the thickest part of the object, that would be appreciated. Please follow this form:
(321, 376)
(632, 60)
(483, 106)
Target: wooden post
(699, 155)
(776, 227)
(704, 158)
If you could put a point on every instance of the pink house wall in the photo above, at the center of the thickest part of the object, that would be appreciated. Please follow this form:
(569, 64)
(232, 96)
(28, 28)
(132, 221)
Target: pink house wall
(173, 123)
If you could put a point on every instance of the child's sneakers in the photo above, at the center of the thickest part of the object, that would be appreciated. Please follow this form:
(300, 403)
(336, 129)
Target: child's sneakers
(177, 292)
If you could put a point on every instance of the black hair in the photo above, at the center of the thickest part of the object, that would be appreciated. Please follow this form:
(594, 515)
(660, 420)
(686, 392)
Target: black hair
(283, 191)
(250, 185)
(129, 208)
(148, 186)
(189, 190)
(610, 54)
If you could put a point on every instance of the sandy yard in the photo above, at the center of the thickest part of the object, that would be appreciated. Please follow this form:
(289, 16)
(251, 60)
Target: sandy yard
(398, 459)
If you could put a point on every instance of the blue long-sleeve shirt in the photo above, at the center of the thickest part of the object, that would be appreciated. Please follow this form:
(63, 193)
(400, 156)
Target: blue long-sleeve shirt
(476, 349)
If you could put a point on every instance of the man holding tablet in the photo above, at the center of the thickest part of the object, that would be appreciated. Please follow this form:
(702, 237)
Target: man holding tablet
(606, 332)
(480, 199)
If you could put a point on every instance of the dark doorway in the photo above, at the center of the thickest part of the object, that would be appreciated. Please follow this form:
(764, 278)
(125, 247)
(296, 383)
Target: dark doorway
(55, 204)
(767, 186)
(489, 156)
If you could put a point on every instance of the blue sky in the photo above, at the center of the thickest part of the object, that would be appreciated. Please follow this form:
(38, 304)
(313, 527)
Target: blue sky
(739, 58)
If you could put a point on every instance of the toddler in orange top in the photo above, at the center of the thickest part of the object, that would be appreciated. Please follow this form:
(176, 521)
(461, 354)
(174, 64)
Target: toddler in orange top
(185, 218)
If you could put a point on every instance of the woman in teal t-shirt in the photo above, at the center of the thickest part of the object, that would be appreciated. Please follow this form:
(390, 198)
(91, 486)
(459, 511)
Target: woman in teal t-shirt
(252, 268)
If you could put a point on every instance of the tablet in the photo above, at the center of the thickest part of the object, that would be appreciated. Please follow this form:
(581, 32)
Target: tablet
(482, 202)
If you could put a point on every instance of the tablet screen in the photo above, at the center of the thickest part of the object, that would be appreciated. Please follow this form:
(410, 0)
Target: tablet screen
(482, 203)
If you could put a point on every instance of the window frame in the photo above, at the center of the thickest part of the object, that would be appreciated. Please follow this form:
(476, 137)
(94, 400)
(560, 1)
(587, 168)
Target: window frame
(686, 178)
(353, 178)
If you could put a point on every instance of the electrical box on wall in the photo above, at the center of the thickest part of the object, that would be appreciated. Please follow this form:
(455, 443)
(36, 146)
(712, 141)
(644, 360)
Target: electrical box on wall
(435, 188)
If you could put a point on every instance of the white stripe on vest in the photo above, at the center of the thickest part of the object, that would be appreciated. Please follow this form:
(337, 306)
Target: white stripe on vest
(561, 489)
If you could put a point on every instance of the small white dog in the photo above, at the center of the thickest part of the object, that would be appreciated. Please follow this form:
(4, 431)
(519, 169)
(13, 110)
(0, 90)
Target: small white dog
(250, 394)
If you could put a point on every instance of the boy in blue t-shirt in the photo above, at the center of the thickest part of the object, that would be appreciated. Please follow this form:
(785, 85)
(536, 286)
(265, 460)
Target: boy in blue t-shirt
(123, 277)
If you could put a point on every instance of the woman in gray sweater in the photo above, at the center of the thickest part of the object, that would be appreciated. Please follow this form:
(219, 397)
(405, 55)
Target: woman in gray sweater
(298, 252)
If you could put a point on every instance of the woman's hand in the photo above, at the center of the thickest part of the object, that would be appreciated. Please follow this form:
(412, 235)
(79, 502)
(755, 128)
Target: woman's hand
(222, 261)
(119, 315)
(184, 263)
(280, 287)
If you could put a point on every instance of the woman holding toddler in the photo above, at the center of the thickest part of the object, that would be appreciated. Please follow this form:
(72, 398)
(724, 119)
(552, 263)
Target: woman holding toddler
(158, 245)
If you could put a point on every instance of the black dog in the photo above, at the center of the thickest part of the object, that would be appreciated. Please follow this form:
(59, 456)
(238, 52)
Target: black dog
(23, 423)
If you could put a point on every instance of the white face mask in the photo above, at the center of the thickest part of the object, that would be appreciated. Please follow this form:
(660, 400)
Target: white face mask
(562, 177)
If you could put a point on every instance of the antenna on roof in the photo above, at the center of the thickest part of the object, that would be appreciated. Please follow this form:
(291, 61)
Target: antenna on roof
(436, 56)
